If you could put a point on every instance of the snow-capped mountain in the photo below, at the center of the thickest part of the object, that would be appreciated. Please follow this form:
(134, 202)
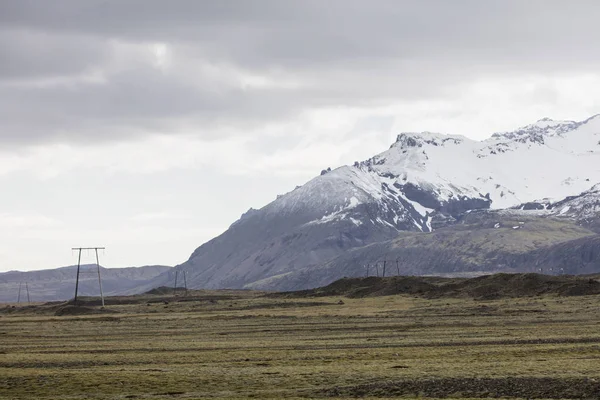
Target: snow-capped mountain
(548, 159)
(425, 173)
(422, 182)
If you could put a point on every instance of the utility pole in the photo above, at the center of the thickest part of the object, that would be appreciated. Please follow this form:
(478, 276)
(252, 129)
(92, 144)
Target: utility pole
(175, 286)
(384, 262)
(77, 278)
(80, 249)
(185, 284)
(397, 266)
(99, 279)
(26, 289)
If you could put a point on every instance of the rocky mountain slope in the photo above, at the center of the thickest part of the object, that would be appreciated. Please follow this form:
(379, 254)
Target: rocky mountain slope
(421, 184)
(584, 208)
(59, 283)
(483, 242)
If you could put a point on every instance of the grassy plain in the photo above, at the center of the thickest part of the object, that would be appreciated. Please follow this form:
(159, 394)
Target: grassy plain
(240, 345)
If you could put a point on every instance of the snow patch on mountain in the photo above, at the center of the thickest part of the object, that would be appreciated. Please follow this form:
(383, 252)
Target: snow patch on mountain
(424, 173)
(339, 214)
(585, 206)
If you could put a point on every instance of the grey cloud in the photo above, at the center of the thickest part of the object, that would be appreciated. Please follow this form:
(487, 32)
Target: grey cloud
(311, 31)
(132, 102)
(37, 54)
(343, 52)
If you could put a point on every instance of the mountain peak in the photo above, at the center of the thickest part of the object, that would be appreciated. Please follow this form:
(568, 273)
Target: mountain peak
(409, 139)
(419, 139)
(548, 122)
(537, 131)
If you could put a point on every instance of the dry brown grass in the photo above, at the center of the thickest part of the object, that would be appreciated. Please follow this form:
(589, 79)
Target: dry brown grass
(254, 347)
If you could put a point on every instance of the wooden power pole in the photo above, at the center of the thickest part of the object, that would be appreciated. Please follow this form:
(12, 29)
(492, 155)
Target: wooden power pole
(185, 284)
(175, 285)
(80, 249)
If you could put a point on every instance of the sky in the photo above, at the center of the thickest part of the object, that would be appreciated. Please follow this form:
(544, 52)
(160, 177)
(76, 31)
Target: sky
(149, 126)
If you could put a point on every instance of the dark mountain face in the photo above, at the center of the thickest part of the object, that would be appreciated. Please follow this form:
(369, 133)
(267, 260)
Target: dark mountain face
(267, 246)
(422, 194)
(578, 256)
(481, 244)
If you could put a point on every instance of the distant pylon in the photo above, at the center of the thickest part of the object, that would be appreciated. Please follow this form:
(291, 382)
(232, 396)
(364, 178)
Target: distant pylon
(79, 266)
(19, 294)
(185, 283)
(175, 285)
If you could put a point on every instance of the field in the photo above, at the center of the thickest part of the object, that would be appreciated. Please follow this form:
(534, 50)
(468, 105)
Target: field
(243, 345)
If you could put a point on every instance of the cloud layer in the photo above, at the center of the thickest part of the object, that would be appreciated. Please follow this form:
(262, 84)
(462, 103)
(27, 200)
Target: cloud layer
(105, 70)
(183, 114)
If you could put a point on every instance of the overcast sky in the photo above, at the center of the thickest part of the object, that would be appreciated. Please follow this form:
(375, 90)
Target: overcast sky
(149, 126)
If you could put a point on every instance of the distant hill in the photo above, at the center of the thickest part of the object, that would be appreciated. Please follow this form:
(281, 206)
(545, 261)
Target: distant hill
(59, 283)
